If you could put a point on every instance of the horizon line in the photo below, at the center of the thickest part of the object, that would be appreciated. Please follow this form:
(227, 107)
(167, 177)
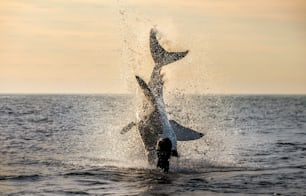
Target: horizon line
(124, 94)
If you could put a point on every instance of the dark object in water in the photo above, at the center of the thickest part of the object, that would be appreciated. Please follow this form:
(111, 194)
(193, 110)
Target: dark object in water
(163, 153)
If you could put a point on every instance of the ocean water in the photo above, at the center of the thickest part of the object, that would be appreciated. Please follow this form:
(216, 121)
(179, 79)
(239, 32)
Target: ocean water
(71, 145)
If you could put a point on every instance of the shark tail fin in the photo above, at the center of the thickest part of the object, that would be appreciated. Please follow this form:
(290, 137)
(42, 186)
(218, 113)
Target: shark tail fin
(160, 56)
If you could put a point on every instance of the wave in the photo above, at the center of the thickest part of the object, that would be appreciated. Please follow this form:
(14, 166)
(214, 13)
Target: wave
(33, 177)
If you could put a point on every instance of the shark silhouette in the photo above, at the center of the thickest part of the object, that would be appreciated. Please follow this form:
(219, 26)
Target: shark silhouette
(158, 133)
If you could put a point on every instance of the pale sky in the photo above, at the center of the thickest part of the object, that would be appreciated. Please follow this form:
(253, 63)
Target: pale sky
(96, 46)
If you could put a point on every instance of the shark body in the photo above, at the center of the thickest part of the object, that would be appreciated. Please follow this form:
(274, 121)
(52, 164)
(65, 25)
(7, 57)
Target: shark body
(158, 133)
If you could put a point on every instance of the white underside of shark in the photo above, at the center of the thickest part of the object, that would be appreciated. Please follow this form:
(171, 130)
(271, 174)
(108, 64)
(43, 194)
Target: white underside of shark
(153, 122)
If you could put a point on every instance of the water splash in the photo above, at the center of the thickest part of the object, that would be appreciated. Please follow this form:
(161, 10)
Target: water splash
(217, 147)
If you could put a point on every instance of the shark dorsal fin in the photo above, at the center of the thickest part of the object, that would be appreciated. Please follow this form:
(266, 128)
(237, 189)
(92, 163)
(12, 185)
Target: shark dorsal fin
(146, 90)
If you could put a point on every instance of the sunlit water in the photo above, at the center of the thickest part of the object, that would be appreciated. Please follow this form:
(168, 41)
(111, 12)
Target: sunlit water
(71, 145)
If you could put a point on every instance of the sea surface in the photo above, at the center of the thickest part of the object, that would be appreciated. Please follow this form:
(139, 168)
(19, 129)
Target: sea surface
(71, 145)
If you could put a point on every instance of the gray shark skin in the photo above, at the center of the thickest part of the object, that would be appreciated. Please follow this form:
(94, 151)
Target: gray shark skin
(153, 123)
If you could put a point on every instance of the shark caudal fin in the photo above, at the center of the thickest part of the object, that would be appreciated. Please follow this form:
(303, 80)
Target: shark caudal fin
(160, 56)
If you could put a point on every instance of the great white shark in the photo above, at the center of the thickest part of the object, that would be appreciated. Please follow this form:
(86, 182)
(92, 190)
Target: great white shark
(158, 133)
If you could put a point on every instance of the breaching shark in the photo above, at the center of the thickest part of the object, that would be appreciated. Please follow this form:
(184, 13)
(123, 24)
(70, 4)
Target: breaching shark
(158, 133)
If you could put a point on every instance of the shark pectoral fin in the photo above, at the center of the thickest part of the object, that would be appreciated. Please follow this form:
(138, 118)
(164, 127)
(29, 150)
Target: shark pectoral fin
(127, 127)
(183, 133)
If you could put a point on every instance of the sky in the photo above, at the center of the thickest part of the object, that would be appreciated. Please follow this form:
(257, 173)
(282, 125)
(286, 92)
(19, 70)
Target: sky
(98, 46)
